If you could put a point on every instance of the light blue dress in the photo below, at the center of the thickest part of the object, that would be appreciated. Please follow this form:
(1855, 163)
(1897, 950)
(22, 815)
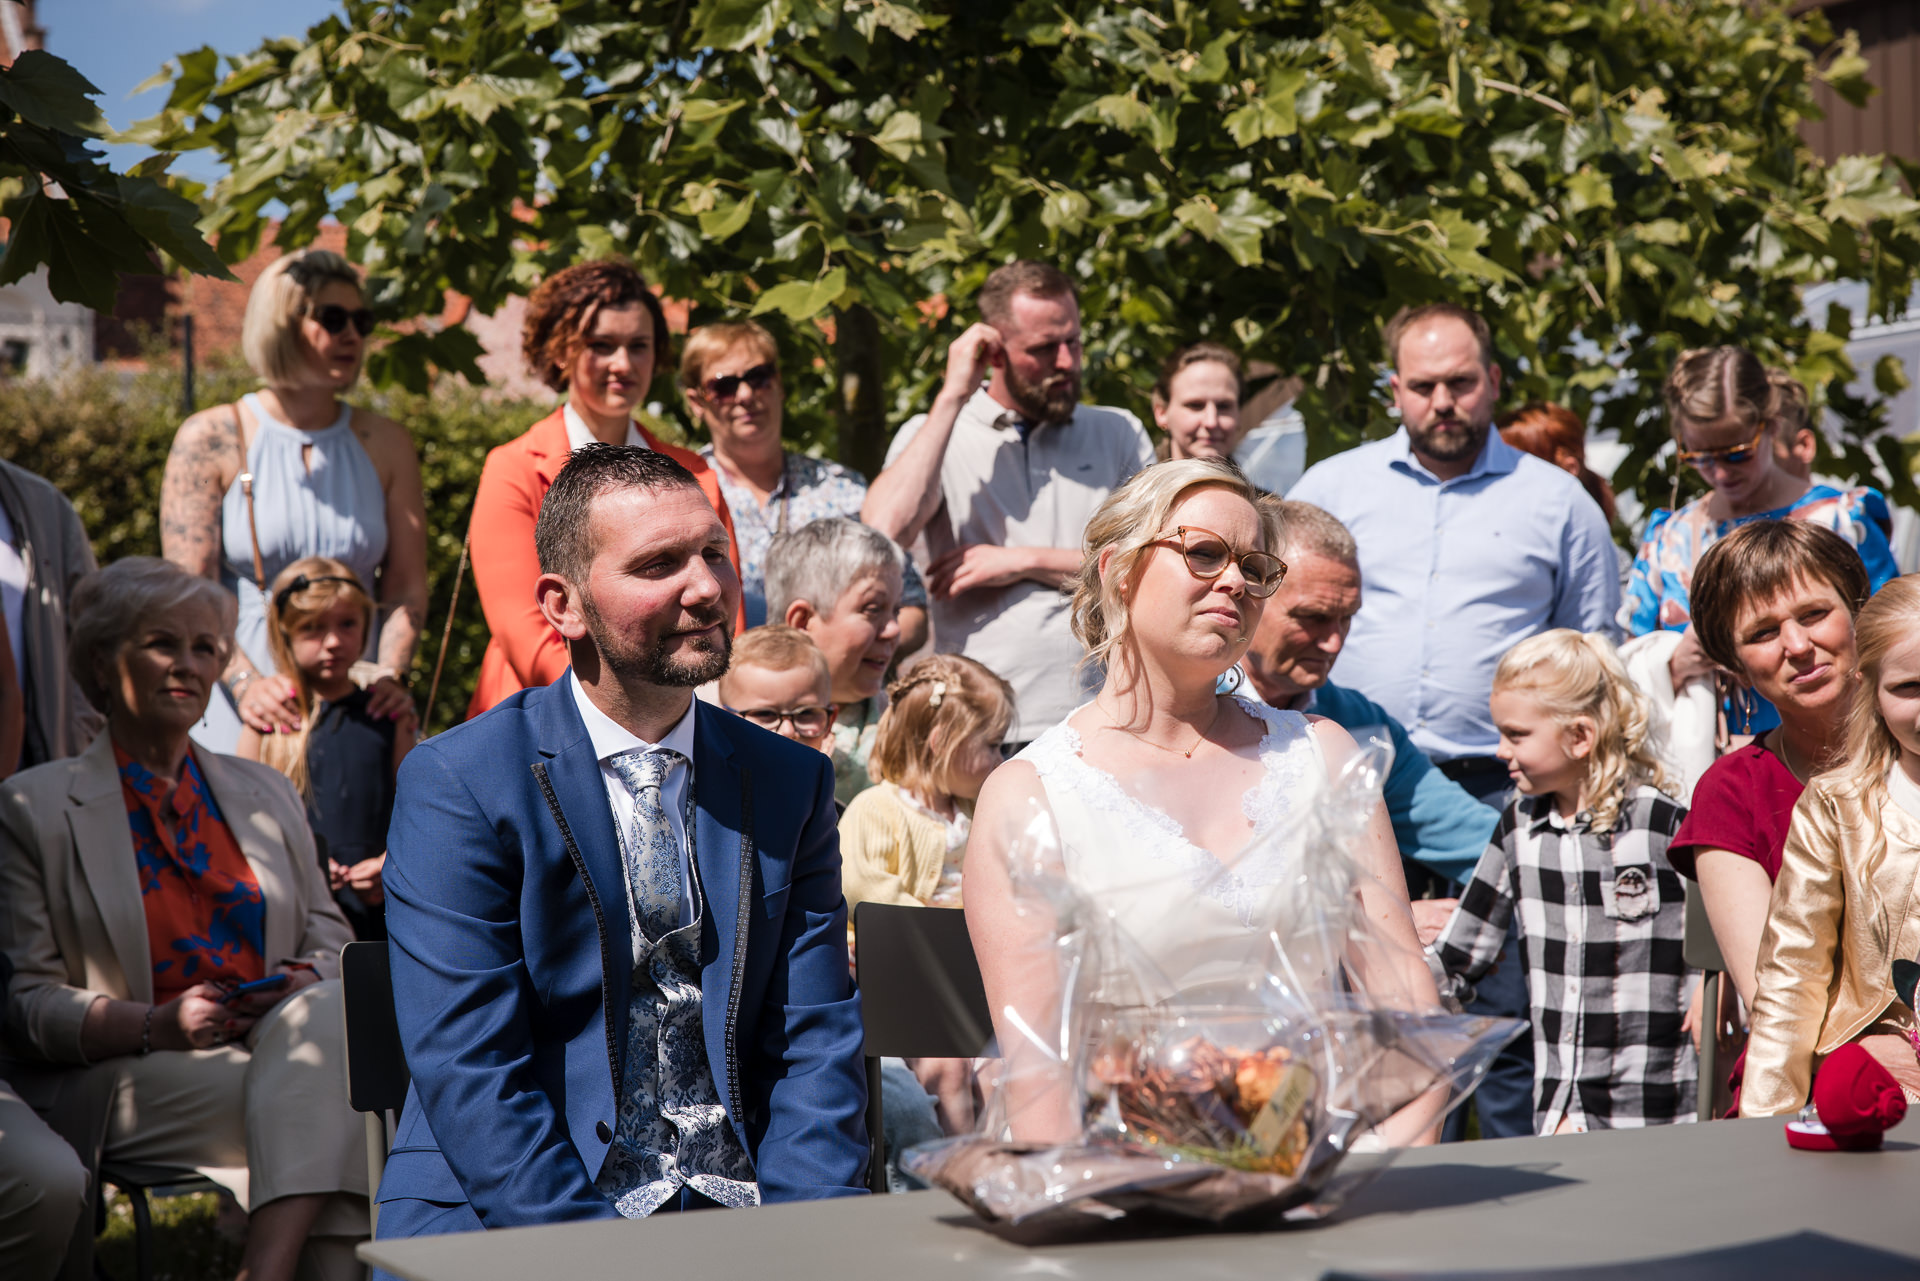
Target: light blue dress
(331, 504)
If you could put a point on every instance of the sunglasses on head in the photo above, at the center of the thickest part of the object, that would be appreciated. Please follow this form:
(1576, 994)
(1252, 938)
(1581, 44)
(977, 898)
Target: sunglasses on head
(727, 386)
(1208, 554)
(301, 583)
(1698, 458)
(333, 318)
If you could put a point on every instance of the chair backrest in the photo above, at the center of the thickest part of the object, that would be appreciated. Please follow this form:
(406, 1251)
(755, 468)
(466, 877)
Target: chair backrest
(376, 1065)
(920, 989)
(1698, 947)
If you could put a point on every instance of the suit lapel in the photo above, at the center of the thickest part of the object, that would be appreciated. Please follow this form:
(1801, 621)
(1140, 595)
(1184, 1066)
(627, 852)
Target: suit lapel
(103, 841)
(580, 790)
(719, 825)
(258, 834)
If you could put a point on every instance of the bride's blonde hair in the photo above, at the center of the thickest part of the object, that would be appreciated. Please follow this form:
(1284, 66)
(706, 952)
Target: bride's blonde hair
(1132, 518)
(1575, 674)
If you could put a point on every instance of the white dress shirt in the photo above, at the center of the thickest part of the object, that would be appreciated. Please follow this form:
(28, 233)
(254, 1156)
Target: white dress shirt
(13, 597)
(610, 739)
(578, 433)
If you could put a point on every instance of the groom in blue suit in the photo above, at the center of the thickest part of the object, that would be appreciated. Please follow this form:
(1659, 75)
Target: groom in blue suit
(617, 932)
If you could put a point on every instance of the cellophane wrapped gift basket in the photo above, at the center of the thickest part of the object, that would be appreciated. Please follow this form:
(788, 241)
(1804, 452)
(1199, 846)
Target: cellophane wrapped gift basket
(1279, 1069)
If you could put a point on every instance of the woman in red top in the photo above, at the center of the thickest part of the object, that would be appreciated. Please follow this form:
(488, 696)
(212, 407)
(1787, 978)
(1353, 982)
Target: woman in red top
(1773, 602)
(595, 332)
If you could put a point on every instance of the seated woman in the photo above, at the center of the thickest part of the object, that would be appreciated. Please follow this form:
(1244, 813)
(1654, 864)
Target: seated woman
(1773, 602)
(1843, 907)
(1160, 781)
(174, 945)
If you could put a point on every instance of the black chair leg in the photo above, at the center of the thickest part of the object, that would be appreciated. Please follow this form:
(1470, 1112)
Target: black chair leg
(876, 1132)
(142, 1233)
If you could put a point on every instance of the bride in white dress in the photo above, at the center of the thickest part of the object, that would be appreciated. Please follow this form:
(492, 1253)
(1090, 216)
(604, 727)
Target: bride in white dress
(1159, 785)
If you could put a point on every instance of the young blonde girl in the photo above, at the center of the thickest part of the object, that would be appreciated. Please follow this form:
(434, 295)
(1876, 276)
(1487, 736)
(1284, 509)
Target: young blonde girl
(903, 841)
(1844, 907)
(342, 758)
(1579, 861)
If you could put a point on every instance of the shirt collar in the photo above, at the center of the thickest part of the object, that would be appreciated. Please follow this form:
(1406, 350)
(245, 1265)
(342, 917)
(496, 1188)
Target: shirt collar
(610, 738)
(728, 479)
(578, 433)
(1542, 816)
(1496, 457)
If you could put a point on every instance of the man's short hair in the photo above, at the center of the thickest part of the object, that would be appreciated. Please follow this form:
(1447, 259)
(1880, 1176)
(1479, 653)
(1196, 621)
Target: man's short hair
(563, 536)
(563, 308)
(820, 560)
(1757, 562)
(1022, 276)
(778, 648)
(1305, 528)
(1411, 317)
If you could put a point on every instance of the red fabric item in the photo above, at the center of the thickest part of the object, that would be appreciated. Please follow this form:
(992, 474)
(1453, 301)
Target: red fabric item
(1743, 804)
(523, 649)
(1858, 1101)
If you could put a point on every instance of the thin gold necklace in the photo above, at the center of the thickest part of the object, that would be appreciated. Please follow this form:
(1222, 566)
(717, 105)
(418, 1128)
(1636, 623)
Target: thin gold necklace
(1172, 751)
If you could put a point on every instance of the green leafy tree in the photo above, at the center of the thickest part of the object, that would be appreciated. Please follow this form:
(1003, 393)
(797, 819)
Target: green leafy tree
(69, 211)
(1611, 181)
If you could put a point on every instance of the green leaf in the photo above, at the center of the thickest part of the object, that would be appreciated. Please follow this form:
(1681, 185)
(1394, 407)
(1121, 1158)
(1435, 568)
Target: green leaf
(48, 92)
(1890, 375)
(1236, 227)
(803, 299)
(735, 24)
(697, 111)
(725, 221)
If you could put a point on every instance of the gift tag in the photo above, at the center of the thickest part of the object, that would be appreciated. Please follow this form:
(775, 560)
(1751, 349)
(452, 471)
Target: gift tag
(1275, 1124)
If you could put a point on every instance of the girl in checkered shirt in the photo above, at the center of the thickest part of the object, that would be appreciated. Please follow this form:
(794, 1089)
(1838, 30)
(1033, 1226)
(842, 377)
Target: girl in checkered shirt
(1579, 861)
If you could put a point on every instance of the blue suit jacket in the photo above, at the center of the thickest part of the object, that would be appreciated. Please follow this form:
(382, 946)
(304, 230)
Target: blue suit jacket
(507, 915)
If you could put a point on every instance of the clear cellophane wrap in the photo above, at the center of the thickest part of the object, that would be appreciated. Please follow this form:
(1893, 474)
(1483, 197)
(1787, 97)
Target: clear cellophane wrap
(1271, 1089)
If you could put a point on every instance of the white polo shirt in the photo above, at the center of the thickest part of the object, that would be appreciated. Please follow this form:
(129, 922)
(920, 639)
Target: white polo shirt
(1010, 488)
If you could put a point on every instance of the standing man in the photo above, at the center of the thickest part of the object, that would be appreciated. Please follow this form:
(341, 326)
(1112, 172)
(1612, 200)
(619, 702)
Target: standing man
(43, 553)
(1002, 480)
(1467, 547)
(618, 938)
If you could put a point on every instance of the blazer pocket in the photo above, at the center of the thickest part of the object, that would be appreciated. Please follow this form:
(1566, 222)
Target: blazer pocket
(775, 902)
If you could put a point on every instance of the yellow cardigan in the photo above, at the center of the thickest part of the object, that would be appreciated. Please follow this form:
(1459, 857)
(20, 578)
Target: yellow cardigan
(890, 852)
(1843, 910)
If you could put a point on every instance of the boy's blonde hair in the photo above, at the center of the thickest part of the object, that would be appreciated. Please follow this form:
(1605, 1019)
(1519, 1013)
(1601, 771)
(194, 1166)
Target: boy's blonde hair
(938, 705)
(778, 648)
(1576, 674)
(286, 612)
(1891, 617)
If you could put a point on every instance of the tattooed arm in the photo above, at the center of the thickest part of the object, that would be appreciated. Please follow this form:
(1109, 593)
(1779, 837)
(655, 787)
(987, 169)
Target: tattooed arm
(403, 575)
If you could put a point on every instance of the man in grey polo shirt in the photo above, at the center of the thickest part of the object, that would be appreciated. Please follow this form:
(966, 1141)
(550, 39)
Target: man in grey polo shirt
(1002, 480)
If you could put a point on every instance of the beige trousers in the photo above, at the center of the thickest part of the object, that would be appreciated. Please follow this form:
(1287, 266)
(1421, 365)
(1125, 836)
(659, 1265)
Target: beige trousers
(43, 1192)
(265, 1119)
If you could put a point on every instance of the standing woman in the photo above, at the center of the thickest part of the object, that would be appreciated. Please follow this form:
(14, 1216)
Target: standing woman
(595, 333)
(319, 478)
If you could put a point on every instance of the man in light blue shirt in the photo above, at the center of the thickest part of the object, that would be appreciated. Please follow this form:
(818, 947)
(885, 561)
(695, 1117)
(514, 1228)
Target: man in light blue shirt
(1467, 545)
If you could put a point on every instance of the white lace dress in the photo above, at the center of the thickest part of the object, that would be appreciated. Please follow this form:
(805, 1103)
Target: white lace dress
(1187, 912)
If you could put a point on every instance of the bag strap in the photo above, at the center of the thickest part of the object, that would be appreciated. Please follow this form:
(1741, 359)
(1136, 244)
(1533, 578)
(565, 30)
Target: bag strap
(246, 492)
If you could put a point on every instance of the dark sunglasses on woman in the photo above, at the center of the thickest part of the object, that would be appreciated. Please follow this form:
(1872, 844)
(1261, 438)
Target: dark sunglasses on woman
(727, 386)
(333, 318)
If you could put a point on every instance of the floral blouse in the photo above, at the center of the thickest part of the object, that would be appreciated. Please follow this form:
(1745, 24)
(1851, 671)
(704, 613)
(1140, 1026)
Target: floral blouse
(206, 917)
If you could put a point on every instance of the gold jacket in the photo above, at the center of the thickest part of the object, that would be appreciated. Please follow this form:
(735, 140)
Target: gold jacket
(1843, 910)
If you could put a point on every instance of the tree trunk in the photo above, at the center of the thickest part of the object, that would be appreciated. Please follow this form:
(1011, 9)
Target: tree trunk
(859, 405)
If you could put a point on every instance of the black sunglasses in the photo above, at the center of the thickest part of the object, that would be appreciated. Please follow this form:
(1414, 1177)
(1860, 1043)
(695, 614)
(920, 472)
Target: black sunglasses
(301, 583)
(333, 318)
(726, 387)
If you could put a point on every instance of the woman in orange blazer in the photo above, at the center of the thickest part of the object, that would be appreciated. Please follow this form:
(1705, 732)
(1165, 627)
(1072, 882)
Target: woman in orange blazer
(596, 332)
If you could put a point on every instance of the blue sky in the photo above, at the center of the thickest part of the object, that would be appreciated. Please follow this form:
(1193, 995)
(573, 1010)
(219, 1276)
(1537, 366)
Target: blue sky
(118, 43)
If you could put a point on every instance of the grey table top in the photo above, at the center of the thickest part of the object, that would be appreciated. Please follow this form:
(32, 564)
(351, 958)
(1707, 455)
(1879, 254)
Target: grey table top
(1728, 1199)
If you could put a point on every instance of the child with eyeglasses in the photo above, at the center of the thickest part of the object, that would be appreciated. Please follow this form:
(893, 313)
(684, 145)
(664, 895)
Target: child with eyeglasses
(342, 758)
(780, 681)
(1743, 429)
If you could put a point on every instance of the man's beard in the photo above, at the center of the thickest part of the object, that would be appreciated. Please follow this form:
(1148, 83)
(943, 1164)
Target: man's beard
(1462, 443)
(702, 659)
(1046, 403)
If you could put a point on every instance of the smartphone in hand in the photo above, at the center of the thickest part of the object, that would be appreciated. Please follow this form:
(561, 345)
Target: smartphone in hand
(271, 983)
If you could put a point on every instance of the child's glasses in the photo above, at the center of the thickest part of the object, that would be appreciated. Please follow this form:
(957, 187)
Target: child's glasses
(1208, 554)
(807, 722)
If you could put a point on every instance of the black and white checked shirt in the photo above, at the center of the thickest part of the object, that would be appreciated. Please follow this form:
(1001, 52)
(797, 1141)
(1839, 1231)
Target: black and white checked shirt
(1601, 919)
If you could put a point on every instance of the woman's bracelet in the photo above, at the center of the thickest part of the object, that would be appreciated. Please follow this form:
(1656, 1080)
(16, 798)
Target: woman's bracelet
(238, 684)
(146, 1033)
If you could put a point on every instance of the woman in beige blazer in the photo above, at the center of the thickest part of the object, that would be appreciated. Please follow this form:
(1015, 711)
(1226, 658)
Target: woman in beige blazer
(142, 1052)
(1847, 901)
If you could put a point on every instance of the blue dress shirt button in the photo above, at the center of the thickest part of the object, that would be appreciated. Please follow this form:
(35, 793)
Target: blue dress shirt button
(602, 1131)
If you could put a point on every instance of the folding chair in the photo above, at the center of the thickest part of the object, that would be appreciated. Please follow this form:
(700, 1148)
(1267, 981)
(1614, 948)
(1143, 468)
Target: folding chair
(921, 997)
(376, 1066)
(1700, 950)
(136, 1181)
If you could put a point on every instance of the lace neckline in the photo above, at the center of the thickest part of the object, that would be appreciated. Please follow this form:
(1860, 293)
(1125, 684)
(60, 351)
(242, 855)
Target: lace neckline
(1288, 756)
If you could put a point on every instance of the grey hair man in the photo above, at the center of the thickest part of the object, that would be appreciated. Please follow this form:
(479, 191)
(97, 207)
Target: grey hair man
(1001, 480)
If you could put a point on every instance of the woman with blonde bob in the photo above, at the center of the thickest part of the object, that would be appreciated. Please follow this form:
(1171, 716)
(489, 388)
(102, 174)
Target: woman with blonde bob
(1175, 807)
(1843, 907)
(290, 471)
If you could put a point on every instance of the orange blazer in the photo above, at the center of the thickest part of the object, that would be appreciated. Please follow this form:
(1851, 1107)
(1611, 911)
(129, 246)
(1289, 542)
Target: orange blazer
(524, 650)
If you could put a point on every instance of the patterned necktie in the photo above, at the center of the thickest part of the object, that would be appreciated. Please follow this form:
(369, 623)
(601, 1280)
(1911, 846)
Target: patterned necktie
(653, 853)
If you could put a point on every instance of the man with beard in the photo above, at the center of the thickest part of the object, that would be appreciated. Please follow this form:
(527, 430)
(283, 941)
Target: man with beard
(1002, 479)
(1467, 547)
(619, 966)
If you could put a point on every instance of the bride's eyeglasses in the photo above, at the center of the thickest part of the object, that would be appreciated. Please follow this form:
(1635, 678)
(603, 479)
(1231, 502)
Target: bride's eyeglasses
(1208, 555)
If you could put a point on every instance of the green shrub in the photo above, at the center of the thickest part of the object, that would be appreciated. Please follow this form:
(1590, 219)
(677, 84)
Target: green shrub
(101, 436)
